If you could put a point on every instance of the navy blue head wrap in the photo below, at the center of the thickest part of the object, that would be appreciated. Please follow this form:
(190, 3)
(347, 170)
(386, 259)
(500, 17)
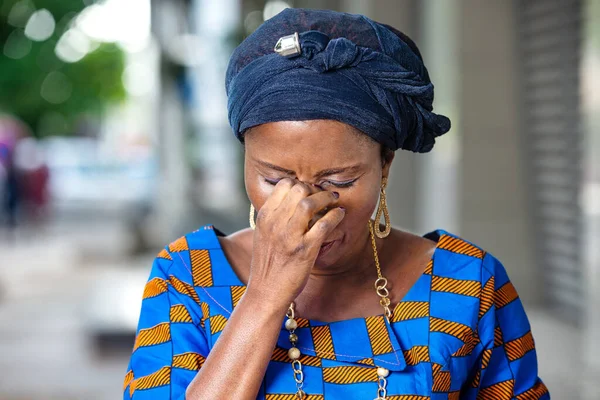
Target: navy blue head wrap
(350, 69)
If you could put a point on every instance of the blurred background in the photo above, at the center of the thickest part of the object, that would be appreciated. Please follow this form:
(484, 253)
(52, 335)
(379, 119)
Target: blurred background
(114, 141)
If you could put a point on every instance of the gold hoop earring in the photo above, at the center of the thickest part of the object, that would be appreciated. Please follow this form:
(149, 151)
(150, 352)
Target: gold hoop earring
(252, 223)
(382, 209)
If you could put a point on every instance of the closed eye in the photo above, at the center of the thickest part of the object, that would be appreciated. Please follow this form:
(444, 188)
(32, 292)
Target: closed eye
(337, 184)
(272, 181)
(342, 185)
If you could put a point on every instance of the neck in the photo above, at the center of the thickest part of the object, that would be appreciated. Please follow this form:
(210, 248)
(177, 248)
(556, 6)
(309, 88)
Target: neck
(351, 264)
(345, 279)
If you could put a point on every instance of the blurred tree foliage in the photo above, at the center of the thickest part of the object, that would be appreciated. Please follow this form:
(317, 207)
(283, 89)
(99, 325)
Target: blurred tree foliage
(84, 88)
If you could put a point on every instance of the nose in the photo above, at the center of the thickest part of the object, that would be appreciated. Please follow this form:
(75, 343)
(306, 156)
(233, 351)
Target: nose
(314, 188)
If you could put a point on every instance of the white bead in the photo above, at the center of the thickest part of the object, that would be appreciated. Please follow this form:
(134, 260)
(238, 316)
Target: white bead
(383, 372)
(294, 353)
(291, 324)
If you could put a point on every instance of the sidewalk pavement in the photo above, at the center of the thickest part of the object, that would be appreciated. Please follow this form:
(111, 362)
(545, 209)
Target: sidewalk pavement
(46, 275)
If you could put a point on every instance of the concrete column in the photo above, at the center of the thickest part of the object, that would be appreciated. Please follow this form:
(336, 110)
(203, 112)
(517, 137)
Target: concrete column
(218, 153)
(172, 203)
(319, 4)
(437, 182)
(591, 196)
(358, 7)
(493, 207)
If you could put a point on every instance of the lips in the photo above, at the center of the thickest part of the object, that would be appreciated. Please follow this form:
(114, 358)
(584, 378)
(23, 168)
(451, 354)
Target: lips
(325, 247)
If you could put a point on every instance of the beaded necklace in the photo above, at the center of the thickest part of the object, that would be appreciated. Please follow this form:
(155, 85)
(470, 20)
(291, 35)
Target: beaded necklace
(291, 324)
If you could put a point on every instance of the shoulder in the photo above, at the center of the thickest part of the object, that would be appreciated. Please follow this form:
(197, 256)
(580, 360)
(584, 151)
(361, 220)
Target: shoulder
(460, 258)
(197, 259)
(466, 274)
(201, 239)
(466, 280)
(489, 302)
(204, 238)
(473, 306)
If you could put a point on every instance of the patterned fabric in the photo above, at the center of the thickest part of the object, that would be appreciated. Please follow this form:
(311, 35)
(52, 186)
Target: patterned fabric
(350, 69)
(459, 333)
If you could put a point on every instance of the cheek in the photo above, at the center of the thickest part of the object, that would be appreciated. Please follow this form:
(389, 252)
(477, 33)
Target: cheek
(360, 206)
(258, 190)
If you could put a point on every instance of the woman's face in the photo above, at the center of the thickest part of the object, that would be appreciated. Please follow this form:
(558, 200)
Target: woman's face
(327, 153)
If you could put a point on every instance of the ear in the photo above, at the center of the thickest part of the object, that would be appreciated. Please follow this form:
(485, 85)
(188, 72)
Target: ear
(388, 157)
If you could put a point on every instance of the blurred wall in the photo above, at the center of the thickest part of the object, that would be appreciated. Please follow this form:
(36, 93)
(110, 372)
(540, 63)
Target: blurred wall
(591, 194)
(494, 208)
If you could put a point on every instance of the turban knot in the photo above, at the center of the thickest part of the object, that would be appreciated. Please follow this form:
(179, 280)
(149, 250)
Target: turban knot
(349, 68)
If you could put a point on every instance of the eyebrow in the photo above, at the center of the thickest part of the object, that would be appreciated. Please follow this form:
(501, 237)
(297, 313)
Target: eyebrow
(320, 174)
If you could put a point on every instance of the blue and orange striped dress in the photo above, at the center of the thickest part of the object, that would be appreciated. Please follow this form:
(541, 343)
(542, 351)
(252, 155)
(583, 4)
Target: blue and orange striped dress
(459, 333)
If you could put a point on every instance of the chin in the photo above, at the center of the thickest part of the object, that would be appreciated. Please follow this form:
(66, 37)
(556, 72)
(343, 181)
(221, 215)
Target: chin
(323, 263)
(328, 255)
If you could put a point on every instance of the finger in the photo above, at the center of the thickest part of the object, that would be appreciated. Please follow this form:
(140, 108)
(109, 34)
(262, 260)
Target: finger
(273, 201)
(323, 227)
(279, 193)
(308, 207)
(298, 192)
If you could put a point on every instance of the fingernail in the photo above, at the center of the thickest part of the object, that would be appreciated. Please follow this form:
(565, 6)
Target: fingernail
(336, 195)
(343, 209)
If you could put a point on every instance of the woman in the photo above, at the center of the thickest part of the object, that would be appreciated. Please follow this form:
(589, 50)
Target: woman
(317, 301)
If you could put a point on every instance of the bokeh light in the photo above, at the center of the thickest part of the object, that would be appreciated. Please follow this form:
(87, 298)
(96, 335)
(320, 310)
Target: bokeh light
(253, 21)
(274, 7)
(73, 45)
(125, 22)
(40, 26)
(17, 45)
(56, 88)
(20, 13)
(138, 79)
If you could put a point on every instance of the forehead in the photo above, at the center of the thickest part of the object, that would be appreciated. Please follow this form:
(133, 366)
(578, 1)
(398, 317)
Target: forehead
(311, 141)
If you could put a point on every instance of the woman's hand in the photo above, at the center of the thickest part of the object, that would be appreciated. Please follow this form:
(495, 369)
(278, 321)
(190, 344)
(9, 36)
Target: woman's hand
(285, 249)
